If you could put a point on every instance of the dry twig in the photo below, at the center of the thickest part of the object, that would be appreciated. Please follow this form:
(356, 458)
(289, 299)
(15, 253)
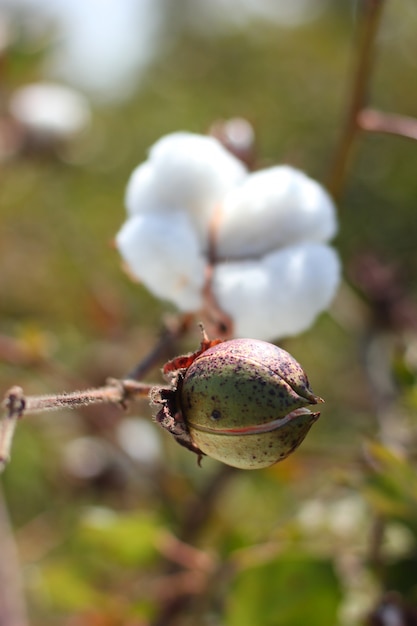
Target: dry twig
(18, 405)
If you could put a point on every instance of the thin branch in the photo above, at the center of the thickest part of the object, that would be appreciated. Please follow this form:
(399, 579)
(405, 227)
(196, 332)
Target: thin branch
(217, 322)
(373, 121)
(376, 544)
(200, 508)
(183, 554)
(12, 603)
(196, 516)
(17, 405)
(359, 94)
(174, 330)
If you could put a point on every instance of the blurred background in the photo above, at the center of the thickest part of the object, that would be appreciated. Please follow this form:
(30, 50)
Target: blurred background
(113, 522)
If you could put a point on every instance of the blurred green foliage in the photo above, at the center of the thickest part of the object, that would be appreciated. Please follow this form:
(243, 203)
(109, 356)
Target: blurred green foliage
(292, 545)
(287, 579)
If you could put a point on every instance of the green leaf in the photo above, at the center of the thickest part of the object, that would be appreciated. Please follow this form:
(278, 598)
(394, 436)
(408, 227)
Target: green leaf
(293, 590)
(65, 588)
(123, 539)
(391, 487)
(401, 576)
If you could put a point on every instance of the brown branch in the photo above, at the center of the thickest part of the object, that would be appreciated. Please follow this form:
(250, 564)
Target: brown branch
(372, 10)
(217, 322)
(200, 508)
(174, 330)
(16, 405)
(196, 515)
(373, 121)
(12, 603)
(183, 554)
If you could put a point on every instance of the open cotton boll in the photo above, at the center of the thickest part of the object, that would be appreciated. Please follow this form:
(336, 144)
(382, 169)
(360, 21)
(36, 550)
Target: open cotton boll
(141, 194)
(187, 172)
(309, 275)
(163, 252)
(279, 295)
(50, 109)
(241, 289)
(272, 208)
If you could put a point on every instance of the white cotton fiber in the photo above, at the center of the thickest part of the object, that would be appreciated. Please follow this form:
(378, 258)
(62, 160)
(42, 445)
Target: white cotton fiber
(186, 172)
(273, 208)
(162, 251)
(281, 294)
(50, 109)
(141, 192)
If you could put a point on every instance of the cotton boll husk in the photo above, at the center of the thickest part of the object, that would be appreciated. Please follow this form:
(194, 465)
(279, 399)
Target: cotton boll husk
(273, 208)
(187, 172)
(279, 295)
(163, 252)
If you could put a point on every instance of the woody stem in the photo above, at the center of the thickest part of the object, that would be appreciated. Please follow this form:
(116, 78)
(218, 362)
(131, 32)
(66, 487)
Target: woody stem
(372, 11)
(16, 405)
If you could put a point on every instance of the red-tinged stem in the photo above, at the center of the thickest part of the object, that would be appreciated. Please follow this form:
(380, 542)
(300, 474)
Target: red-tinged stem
(373, 121)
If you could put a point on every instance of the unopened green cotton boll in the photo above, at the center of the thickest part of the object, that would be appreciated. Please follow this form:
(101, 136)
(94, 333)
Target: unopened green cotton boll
(244, 402)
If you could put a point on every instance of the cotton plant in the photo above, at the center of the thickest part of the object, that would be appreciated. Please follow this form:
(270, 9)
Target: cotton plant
(198, 223)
